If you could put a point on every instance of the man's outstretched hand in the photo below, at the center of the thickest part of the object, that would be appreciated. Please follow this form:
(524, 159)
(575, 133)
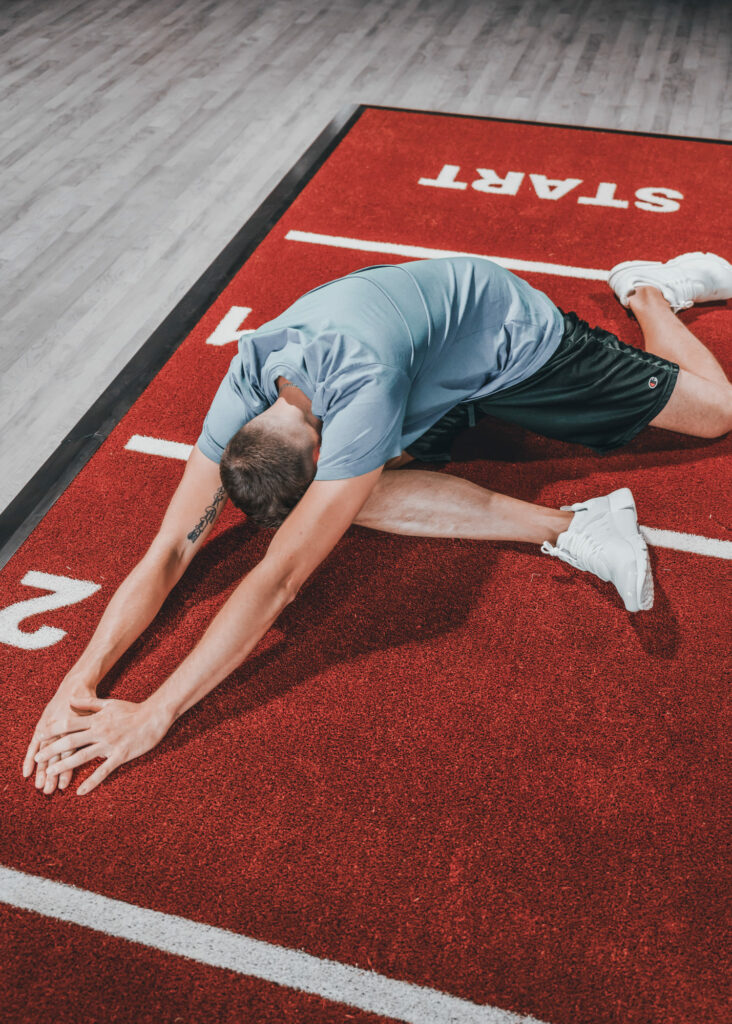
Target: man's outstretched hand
(84, 728)
(48, 729)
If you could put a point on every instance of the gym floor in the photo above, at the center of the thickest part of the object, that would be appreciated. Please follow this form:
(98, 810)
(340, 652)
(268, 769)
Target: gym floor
(137, 137)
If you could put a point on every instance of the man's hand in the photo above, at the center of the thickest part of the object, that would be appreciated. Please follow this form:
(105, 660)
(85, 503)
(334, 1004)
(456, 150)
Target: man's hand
(48, 730)
(115, 730)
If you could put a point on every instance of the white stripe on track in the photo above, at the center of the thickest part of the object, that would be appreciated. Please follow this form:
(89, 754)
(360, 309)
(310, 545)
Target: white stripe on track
(688, 542)
(364, 990)
(692, 542)
(156, 446)
(419, 252)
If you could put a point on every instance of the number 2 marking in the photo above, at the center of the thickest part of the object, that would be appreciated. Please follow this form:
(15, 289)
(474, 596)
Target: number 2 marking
(64, 591)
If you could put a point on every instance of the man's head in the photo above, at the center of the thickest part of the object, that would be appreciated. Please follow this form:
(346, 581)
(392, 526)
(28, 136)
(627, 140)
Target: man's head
(270, 462)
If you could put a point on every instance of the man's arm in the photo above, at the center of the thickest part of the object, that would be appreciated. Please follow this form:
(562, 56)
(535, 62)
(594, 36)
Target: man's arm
(194, 508)
(119, 731)
(191, 514)
(306, 537)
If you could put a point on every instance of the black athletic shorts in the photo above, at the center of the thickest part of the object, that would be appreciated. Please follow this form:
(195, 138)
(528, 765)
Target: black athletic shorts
(594, 390)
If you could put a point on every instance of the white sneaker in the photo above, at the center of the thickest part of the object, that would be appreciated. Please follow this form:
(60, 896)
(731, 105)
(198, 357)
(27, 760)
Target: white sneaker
(689, 278)
(603, 538)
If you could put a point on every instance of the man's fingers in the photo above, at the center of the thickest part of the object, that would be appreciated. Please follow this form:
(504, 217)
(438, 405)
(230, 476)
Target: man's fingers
(40, 771)
(69, 761)
(53, 725)
(51, 782)
(29, 763)
(71, 741)
(96, 777)
(65, 777)
(70, 722)
(87, 703)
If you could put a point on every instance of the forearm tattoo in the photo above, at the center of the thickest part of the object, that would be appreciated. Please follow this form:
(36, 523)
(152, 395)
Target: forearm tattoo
(208, 516)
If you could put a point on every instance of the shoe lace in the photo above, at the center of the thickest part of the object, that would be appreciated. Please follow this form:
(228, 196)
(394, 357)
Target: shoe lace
(583, 551)
(685, 290)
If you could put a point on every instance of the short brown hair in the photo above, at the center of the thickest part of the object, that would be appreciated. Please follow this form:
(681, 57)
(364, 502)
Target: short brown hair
(265, 474)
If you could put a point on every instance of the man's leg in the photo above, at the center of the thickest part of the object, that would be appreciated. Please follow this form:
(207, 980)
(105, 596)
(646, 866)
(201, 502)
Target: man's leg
(665, 335)
(701, 401)
(419, 503)
(599, 536)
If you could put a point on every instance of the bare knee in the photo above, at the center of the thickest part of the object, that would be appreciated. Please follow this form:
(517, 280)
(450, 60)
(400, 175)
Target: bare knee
(714, 428)
(716, 417)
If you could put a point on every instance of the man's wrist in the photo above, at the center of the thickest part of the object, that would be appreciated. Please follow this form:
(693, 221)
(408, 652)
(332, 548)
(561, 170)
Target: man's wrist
(162, 706)
(80, 683)
(86, 674)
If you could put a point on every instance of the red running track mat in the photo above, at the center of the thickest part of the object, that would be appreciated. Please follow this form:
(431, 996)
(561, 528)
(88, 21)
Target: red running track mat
(132, 984)
(455, 763)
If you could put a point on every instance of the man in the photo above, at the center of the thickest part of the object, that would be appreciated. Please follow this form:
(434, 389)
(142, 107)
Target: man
(321, 407)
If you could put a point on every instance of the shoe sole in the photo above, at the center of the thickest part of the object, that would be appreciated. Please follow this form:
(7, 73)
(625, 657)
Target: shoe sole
(701, 255)
(660, 263)
(620, 267)
(642, 599)
(634, 263)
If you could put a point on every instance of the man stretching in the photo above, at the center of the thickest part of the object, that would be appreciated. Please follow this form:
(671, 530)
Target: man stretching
(320, 408)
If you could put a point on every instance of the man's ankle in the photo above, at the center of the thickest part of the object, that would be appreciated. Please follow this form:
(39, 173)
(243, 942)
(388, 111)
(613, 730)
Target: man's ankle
(560, 521)
(646, 295)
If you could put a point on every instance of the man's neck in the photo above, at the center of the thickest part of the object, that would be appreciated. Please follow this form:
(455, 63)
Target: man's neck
(294, 395)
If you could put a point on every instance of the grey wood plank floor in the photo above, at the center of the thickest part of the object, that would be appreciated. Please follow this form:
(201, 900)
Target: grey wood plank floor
(137, 136)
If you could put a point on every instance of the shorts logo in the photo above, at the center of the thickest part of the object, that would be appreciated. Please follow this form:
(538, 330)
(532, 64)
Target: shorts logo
(653, 382)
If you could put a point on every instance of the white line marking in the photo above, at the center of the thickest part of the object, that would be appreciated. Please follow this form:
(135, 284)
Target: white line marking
(341, 983)
(688, 542)
(419, 252)
(156, 446)
(229, 327)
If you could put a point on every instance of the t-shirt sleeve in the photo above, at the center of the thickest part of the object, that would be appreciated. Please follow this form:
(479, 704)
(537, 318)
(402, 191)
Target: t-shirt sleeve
(234, 404)
(362, 423)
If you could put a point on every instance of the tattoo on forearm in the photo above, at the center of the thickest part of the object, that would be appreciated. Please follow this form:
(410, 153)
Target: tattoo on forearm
(208, 516)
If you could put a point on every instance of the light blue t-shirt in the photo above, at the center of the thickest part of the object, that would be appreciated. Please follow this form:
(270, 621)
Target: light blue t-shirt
(385, 352)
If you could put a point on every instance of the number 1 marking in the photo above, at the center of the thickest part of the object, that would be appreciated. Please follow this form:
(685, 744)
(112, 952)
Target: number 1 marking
(64, 591)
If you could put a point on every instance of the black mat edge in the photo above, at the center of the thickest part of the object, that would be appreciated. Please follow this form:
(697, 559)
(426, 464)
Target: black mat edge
(551, 124)
(41, 492)
(46, 486)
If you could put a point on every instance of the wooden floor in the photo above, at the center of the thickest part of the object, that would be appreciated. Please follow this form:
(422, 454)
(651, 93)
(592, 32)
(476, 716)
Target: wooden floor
(137, 136)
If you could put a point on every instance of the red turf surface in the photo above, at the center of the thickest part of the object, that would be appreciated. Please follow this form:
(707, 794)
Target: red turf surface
(453, 762)
(132, 984)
